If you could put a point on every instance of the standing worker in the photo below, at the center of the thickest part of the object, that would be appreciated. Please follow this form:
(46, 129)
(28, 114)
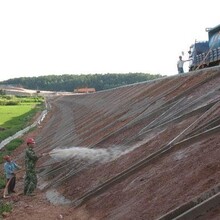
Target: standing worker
(180, 65)
(30, 182)
(10, 167)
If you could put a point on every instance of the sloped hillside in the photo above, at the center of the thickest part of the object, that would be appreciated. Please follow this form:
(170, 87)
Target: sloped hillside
(145, 151)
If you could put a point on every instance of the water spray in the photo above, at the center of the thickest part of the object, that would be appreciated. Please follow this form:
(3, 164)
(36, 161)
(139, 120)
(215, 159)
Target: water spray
(95, 155)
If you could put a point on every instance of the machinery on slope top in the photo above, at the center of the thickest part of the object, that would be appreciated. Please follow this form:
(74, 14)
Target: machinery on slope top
(207, 53)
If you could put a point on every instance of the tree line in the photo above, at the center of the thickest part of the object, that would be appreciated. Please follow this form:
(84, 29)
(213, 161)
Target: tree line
(70, 82)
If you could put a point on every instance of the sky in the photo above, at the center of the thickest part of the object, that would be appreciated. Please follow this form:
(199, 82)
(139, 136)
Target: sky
(46, 37)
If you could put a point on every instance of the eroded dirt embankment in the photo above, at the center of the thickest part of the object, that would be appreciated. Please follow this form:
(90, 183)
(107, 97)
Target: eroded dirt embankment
(166, 138)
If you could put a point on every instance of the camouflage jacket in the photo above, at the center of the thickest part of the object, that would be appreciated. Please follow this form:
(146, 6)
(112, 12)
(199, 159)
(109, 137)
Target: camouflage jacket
(30, 159)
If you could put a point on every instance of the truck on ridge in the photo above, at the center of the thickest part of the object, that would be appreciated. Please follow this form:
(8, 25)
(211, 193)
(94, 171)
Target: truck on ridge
(205, 54)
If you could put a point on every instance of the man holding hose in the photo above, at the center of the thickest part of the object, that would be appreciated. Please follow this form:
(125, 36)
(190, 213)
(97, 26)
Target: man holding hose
(31, 158)
(10, 167)
(30, 182)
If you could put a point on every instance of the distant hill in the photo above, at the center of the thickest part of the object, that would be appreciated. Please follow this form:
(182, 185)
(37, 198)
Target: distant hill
(70, 82)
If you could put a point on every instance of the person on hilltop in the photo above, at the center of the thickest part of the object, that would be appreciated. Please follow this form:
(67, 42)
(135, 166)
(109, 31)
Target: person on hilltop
(30, 182)
(10, 167)
(180, 65)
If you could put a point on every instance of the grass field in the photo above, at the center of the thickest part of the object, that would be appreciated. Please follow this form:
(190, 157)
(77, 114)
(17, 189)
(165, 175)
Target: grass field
(13, 111)
(16, 117)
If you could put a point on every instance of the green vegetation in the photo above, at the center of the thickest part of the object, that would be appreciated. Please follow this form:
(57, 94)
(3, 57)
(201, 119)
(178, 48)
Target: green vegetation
(70, 82)
(2, 182)
(9, 148)
(19, 100)
(17, 116)
(13, 145)
(2, 92)
(5, 207)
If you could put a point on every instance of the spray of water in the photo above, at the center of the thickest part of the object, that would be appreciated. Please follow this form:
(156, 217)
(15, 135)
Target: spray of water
(94, 155)
(101, 155)
(74, 159)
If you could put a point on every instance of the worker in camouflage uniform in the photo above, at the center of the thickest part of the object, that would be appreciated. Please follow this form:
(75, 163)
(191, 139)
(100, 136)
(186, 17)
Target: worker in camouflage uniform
(30, 182)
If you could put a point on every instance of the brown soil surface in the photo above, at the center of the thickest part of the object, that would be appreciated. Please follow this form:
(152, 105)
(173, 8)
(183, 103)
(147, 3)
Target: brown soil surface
(162, 145)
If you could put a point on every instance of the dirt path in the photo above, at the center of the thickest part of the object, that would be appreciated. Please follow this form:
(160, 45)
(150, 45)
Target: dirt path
(35, 208)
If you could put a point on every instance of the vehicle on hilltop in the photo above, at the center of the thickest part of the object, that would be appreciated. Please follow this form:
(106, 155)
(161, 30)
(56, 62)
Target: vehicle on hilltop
(205, 54)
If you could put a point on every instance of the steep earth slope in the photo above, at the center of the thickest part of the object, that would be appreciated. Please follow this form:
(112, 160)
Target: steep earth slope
(144, 151)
